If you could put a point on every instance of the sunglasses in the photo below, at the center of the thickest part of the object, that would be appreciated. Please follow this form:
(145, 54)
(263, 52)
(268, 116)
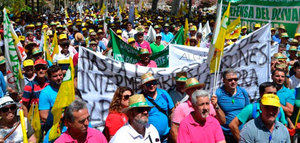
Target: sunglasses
(11, 108)
(231, 79)
(126, 97)
(148, 84)
(142, 110)
(40, 67)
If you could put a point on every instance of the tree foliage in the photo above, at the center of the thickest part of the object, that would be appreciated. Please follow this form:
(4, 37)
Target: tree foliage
(14, 6)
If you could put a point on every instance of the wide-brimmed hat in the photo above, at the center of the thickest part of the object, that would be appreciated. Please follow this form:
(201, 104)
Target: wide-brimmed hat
(36, 50)
(140, 29)
(137, 101)
(6, 100)
(181, 77)
(78, 36)
(2, 60)
(284, 35)
(270, 100)
(279, 56)
(192, 83)
(147, 77)
(293, 48)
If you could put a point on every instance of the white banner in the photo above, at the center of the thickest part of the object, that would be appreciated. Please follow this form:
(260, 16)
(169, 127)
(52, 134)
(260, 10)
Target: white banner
(99, 76)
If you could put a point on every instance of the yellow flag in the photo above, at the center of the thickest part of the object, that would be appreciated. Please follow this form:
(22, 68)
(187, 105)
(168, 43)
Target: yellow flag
(54, 45)
(234, 29)
(143, 5)
(186, 29)
(30, 113)
(219, 45)
(136, 12)
(66, 14)
(65, 96)
(46, 49)
(103, 8)
(35, 123)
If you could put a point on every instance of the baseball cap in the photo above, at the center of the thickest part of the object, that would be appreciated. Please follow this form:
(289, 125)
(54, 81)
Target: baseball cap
(40, 61)
(270, 100)
(28, 62)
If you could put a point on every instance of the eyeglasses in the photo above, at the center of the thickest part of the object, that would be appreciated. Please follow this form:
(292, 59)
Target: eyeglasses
(11, 108)
(148, 84)
(126, 97)
(40, 67)
(231, 79)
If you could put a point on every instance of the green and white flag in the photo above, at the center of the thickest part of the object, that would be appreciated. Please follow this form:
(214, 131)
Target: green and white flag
(13, 67)
(125, 53)
(278, 12)
(179, 37)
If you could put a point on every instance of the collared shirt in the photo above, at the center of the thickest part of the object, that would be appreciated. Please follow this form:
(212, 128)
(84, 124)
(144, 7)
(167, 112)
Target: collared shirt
(166, 37)
(143, 45)
(256, 131)
(127, 134)
(156, 48)
(185, 108)
(191, 131)
(232, 105)
(47, 98)
(93, 136)
(32, 91)
(286, 95)
(246, 114)
(158, 119)
(152, 64)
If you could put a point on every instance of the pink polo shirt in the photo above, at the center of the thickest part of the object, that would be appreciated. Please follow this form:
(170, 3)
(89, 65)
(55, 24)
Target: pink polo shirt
(144, 45)
(152, 64)
(192, 132)
(93, 136)
(185, 108)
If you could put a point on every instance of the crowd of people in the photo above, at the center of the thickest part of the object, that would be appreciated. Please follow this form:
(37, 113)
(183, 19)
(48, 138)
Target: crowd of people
(185, 113)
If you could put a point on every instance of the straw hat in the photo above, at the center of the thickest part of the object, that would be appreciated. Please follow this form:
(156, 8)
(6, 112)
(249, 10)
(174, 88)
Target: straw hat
(293, 48)
(137, 101)
(78, 36)
(284, 35)
(279, 56)
(147, 77)
(36, 50)
(192, 83)
(2, 60)
(144, 52)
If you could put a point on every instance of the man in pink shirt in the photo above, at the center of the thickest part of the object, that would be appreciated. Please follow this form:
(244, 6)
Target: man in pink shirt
(185, 108)
(145, 59)
(140, 42)
(76, 117)
(199, 126)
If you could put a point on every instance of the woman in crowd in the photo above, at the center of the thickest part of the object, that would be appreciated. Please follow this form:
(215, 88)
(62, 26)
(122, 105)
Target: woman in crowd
(116, 119)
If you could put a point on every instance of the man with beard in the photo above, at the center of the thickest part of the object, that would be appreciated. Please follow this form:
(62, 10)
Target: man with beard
(49, 93)
(286, 96)
(33, 89)
(199, 126)
(265, 128)
(231, 99)
(137, 129)
(159, 115)
(76, 118)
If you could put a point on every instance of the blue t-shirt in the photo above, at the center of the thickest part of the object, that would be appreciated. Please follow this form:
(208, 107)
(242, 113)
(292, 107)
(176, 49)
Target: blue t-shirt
(231, 105)
(166, 37)
(158, 119)
(47, 98)
(286, 95)
(2, 85)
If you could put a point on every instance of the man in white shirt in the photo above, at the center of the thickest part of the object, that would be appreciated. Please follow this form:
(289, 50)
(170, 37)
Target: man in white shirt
(129, 32)
(295, 79)
(137, 130)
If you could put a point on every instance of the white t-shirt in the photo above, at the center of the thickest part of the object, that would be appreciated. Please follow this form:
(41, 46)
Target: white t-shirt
(127, 134)
(130, 34)
(61, 56)
(16, 136)
(294, 82)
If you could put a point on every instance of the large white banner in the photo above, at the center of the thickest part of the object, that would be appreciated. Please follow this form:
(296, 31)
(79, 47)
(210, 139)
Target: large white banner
(99, 76)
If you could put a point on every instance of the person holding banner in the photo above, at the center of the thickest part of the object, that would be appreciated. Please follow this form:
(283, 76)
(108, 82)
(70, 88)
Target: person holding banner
(145, 59)
(231, 99)
(10, 126)
(76, 118)
(162, 102)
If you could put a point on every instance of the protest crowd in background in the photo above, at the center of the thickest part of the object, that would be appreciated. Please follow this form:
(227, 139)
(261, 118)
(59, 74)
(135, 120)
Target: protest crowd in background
(52, 63)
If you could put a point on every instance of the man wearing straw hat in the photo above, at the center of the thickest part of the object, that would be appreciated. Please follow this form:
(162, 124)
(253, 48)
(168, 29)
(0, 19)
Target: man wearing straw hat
(266, 128)
(145, 59)
(177, 92)
(137, 129)
(162, 102)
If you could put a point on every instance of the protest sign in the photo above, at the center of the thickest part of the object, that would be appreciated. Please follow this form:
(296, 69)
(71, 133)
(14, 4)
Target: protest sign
(279, 12)
(99, 76)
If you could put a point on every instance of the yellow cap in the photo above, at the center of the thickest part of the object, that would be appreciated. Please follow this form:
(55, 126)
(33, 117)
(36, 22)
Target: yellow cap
(45, 26)
(270, 100)
(83, 29)
(62, 36)
(244, 27)
(22, 38)
(119, 31)
(64, 61)
(257, 25)
(131, 40)
(297, 34)
(28, 62)
(91, 30)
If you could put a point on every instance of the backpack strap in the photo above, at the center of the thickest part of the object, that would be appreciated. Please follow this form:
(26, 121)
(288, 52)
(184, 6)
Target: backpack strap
(157, 106)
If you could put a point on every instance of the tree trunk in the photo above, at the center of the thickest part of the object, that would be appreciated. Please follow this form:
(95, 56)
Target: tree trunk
(38, 6)
(32, 5)
(154, 5)
(175, 6)
(190, 8)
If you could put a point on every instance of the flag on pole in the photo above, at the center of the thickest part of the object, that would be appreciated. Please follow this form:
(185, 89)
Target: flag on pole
(151, 35)
(206, 30)
(200, 27)
(234, 29)
(19, 47)
(186, 29)
(179, 37)
(36, 123)
(219, 45)
(13, 67)
(54, 46)
(65, 96)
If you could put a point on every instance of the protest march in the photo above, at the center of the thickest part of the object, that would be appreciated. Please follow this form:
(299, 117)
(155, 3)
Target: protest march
(150, 71)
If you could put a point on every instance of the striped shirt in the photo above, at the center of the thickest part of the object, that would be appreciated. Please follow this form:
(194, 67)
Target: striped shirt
(32, 91)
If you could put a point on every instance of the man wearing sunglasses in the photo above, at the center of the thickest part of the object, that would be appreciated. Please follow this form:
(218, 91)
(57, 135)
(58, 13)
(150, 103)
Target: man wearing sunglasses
(138, 129)
(161, 100)
(32, 89)
(231, 100)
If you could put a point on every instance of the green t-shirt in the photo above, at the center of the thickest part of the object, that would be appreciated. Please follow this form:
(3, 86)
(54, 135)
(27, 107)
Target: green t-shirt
(246, 114)
(155, 48)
